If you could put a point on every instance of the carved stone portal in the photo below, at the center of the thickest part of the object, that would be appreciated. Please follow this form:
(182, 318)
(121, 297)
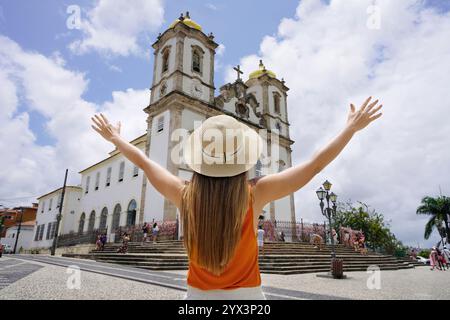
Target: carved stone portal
(244, 102)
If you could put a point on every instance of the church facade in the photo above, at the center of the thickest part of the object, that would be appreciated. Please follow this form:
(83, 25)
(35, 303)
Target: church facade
(116, 193)
(182, 93)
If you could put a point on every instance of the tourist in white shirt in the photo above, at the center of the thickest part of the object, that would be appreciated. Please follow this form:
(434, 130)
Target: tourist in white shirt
(261, 233)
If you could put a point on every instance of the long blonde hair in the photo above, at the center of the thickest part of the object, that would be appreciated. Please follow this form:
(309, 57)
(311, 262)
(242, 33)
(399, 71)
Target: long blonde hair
(212, 213)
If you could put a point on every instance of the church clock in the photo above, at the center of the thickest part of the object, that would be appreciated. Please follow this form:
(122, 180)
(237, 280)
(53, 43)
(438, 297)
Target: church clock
(196, 88)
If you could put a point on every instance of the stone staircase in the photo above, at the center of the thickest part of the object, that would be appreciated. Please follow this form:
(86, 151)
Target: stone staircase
(278, 258)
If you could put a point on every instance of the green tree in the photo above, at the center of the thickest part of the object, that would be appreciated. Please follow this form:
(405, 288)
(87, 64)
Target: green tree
(376, 230)
(424, 253)
(438, 209)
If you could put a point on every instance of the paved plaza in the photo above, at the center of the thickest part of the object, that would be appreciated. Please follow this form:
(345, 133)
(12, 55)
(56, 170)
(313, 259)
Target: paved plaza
(45, 277)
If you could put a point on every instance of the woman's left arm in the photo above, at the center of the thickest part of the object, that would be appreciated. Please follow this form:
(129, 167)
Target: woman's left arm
(279, 185)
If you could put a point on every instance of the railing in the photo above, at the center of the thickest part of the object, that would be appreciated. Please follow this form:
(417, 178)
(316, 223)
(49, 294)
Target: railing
(72, 239)
(168, 230)
(276, 230)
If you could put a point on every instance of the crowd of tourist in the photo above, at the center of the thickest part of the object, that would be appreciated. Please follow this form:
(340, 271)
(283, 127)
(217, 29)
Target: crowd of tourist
(440, 259)
(152, 229)
(147, 228)
(101, 241)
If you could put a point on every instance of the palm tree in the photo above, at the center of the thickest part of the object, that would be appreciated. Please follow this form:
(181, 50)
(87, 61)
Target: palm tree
(439, 210)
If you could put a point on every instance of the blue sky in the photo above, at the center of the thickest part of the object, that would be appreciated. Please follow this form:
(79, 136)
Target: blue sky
(239, 25)
(54, 78)
(41, 26)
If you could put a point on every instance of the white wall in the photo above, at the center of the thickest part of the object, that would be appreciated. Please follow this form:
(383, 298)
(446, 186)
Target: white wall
(49, 216)
(25, 237)
(172, 57)
(187, 59)
(70, 208)
(159, 144)
(256, 90)
(283, 110)
(170, 86)
(188, 119)
(116, 193)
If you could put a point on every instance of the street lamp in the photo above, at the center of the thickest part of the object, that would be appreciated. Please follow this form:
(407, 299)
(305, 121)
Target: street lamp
(321, 193)
(324, 193)
(327, 185)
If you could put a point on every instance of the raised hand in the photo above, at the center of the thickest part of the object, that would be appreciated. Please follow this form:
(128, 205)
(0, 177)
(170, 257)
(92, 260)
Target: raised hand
(358, 120)
(106, 130)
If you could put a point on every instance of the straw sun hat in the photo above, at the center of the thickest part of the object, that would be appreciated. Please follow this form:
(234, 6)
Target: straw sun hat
(222, 147)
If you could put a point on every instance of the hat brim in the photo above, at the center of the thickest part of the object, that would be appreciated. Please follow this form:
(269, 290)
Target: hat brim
(252, 141)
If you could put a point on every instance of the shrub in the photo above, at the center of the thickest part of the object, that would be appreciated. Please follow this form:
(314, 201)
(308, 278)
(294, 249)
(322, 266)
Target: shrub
(424, 253)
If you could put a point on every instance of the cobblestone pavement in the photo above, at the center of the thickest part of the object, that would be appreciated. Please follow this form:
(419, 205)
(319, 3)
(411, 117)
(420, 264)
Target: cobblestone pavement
(45, 277)
(11, 270)
(51, 282)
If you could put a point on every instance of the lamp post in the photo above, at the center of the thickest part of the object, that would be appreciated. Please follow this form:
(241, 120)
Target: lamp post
(58, 217)
(329, 212)
(1, 220)
(18, 230)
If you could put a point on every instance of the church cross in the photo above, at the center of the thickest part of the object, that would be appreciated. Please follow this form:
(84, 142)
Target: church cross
(239, 72)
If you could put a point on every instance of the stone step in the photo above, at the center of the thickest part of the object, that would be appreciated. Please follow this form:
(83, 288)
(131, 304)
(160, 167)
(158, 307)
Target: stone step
(266, 259)
(262, 266)
(279, 252)
(270, 265)
(266, 244)
(297, 258)
(279, 258)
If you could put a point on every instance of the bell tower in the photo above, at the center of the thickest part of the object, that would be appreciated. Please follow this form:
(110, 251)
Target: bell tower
(182, 92)
(184, 61)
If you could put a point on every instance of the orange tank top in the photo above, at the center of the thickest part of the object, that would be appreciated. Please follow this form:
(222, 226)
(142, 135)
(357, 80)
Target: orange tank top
(242, 270)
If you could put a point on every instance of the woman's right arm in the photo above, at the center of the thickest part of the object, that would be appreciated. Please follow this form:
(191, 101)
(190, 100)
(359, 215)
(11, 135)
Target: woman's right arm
(169, 185)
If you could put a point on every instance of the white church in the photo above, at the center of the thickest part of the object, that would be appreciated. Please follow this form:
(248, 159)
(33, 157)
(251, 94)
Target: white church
(114, 192)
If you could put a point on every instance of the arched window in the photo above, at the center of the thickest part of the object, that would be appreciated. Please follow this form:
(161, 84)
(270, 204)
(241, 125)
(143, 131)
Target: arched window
(81, 223)
(131, 213)
(165, 60)
(103, 218)
(91, 222)
(197, 59)
(116, 217)
(276, 102)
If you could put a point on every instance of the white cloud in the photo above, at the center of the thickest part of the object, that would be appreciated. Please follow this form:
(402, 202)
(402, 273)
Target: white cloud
(218, 57)
(220, 50)
(114, 27)
(329, 58)
(211, 6)
(43, 85)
